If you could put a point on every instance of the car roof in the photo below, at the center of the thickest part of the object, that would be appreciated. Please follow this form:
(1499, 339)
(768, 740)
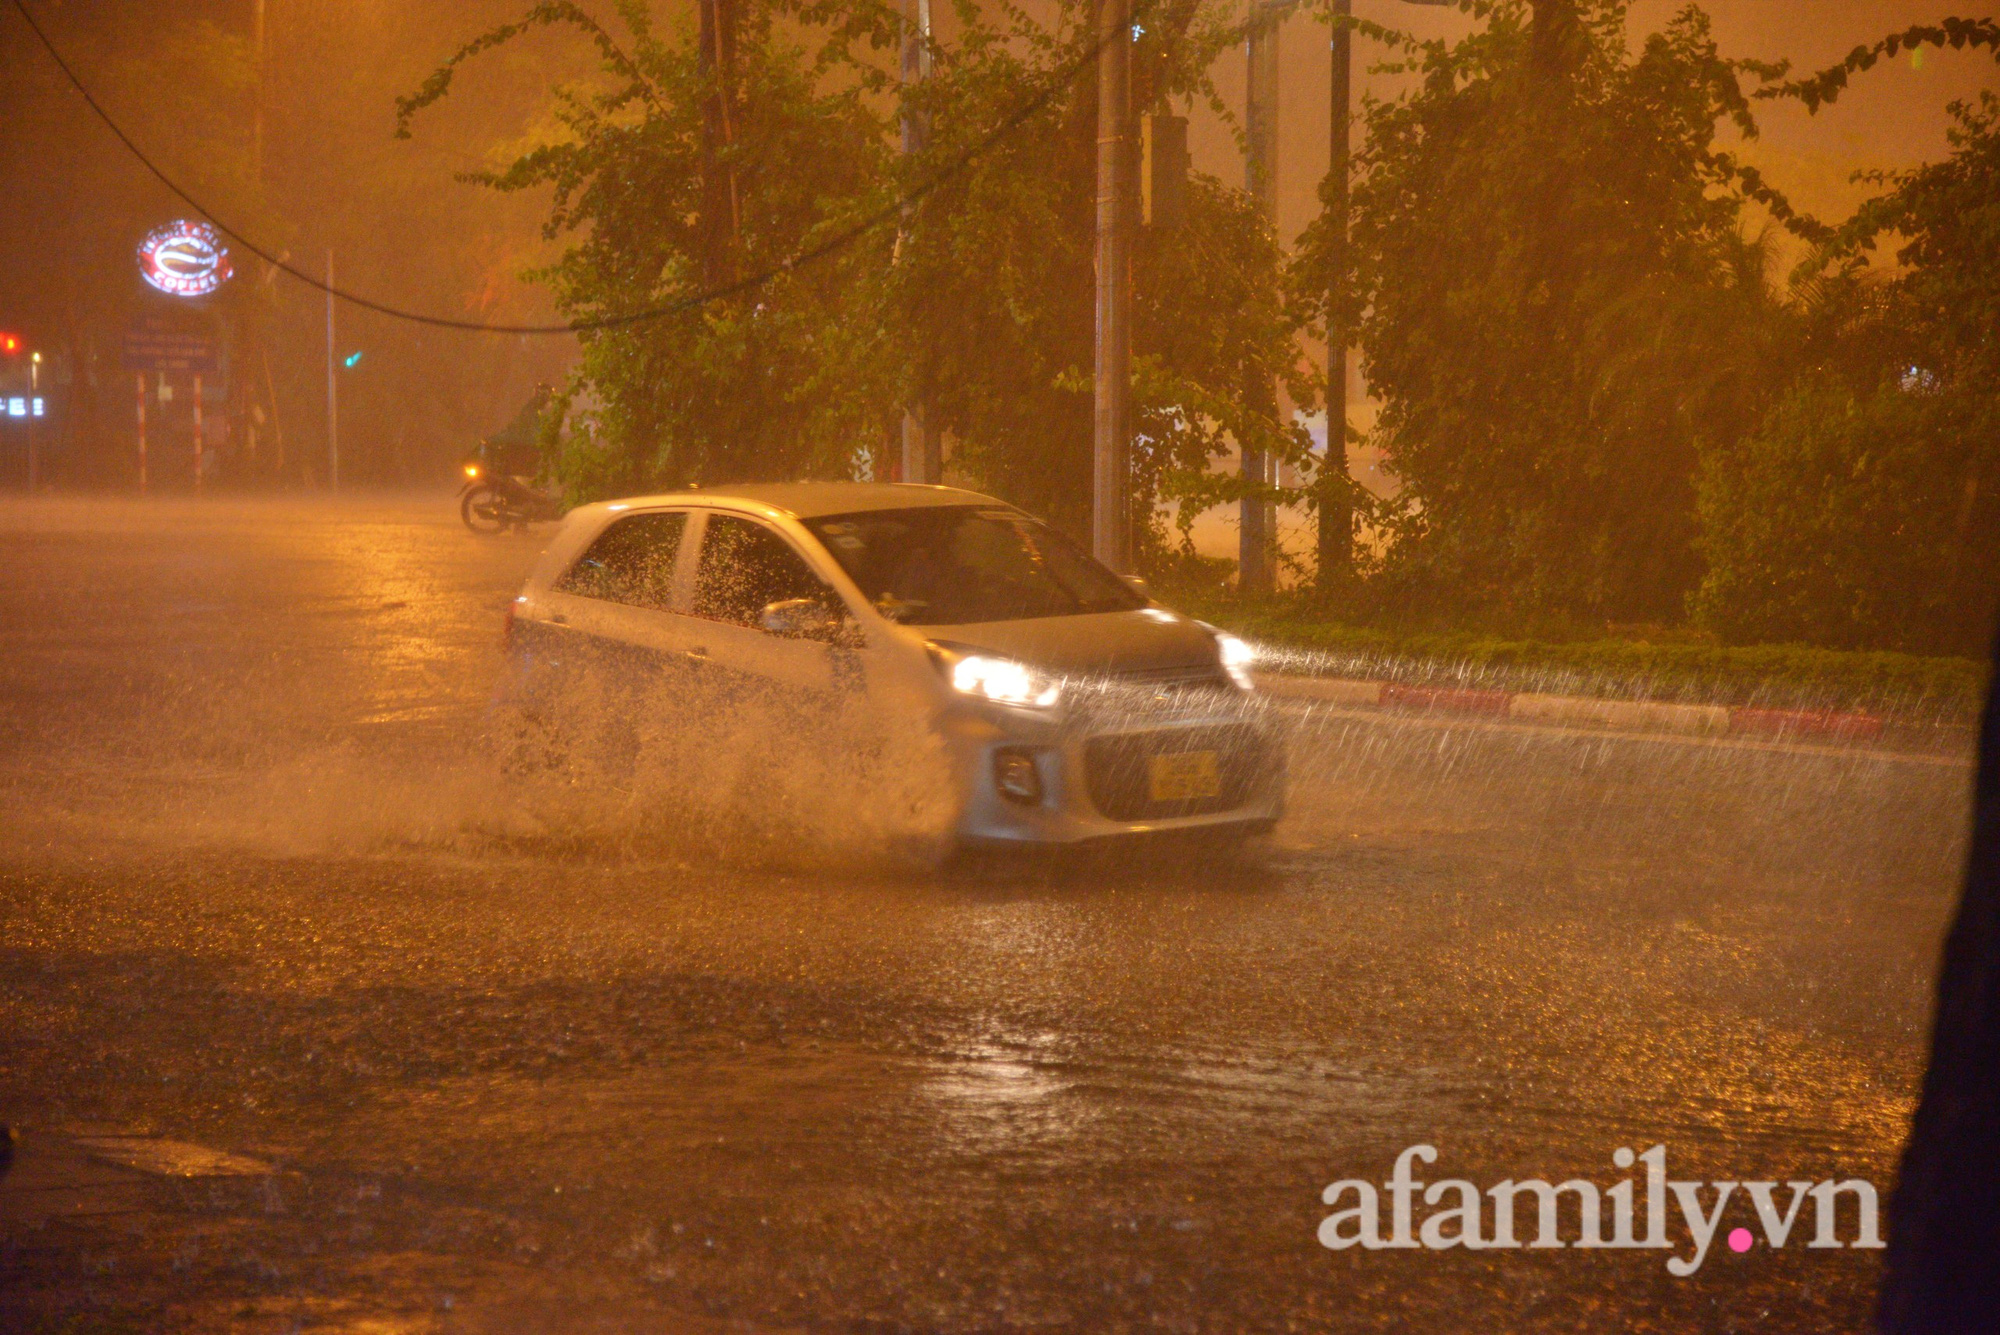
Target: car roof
(809, 500)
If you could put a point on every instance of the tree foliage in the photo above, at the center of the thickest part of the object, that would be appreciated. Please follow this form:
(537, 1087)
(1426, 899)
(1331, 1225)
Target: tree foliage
(976, 300)
(768, 382)
(1599, 402)
(1554, 300)
(1865, 511)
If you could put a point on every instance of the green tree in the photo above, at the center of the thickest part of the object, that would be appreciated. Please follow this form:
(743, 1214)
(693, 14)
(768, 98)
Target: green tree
(1844, 521)
(1865, 511)
(1212, 335)
(663, 197)
(1554, 300)
(992, 292)
(976, 298)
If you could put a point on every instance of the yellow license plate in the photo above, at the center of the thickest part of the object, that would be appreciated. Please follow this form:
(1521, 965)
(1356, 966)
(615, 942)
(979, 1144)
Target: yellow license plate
(1178, 777)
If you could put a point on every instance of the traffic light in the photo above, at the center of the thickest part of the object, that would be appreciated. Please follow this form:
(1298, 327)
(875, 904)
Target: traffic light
(10, 343)
(352, 360)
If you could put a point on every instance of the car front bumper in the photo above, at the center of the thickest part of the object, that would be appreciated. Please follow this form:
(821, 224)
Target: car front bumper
(1096, 773)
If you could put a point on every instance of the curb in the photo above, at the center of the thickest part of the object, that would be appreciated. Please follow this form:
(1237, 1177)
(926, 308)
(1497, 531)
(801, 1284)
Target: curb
(1580, 711)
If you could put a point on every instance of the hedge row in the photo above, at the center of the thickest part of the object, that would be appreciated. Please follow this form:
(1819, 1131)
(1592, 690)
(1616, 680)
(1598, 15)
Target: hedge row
(1941, 690)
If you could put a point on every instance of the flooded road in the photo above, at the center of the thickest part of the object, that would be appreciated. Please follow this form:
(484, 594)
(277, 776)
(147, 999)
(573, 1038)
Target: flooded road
(523, 1060)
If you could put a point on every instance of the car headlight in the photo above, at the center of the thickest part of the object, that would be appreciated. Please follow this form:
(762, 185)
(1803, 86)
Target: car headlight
(1001, 680)
(1238, 657)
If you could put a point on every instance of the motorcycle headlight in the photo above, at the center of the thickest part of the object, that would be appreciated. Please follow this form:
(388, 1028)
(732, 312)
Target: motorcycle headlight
(1238, 657)
(1001, 680)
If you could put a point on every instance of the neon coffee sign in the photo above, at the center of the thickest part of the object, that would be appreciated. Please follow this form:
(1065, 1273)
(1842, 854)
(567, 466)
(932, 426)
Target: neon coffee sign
(185, 259)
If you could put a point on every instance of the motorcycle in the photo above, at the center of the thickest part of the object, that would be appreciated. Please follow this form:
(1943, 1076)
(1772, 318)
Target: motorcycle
(493, 502)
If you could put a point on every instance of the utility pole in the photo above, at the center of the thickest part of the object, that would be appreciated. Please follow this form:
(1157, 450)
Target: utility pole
(1254, 574)
(923, 452)
(257, 93)
(34, 422)
(250, 318)
(332, 390)
(1111, 517)
(1336, 501)
(198, 442)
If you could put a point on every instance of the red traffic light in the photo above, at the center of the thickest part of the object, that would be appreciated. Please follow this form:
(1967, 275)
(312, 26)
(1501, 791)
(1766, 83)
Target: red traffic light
(10, 343)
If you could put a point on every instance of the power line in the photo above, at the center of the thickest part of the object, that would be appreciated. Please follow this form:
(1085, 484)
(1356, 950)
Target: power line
(890, 213)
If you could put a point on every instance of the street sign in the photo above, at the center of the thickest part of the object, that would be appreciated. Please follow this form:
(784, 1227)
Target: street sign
(157, 345)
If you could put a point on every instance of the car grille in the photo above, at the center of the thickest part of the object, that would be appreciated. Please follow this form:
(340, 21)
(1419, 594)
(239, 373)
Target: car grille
(1118, 769)
(1183, 677)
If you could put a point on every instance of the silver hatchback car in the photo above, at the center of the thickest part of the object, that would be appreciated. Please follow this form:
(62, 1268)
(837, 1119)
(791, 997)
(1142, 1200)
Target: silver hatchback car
(1068, 705)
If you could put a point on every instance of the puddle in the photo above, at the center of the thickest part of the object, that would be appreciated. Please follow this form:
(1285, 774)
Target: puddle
(171, 1158)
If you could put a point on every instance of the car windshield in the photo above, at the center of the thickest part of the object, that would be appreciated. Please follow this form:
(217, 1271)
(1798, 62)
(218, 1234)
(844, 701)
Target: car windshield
(949, 565)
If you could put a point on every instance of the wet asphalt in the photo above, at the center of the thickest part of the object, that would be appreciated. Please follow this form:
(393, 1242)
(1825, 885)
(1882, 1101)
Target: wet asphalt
(592, 1055)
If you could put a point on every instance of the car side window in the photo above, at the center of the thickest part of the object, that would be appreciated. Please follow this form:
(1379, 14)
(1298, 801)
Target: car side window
(631, 562)
(746, 567)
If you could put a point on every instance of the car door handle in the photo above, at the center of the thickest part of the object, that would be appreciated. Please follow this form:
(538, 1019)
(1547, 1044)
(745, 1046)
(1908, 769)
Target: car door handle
(558, 620)
(698, 652)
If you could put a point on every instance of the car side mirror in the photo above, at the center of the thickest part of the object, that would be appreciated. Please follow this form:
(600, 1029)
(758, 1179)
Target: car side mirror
(1138, 585)
(802, 619)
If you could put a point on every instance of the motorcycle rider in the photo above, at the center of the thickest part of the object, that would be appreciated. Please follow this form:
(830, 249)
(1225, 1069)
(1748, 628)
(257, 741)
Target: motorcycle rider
(500, 490)
(516, 449)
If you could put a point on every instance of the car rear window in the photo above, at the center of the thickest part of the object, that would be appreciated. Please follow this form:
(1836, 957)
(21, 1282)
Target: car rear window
(950, 565)
(631, 562)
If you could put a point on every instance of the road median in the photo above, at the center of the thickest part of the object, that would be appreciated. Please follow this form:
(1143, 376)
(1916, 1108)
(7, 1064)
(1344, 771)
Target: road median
(1575, 711)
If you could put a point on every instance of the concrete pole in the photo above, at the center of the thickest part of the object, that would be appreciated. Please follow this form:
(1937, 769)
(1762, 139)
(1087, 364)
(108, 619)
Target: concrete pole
(1336, 505)
(257, 93)
(332, 390)
(198, 442)
(923, 449)
(1261, 173)
(34, 422)
(1111, 511)
(247, 318)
